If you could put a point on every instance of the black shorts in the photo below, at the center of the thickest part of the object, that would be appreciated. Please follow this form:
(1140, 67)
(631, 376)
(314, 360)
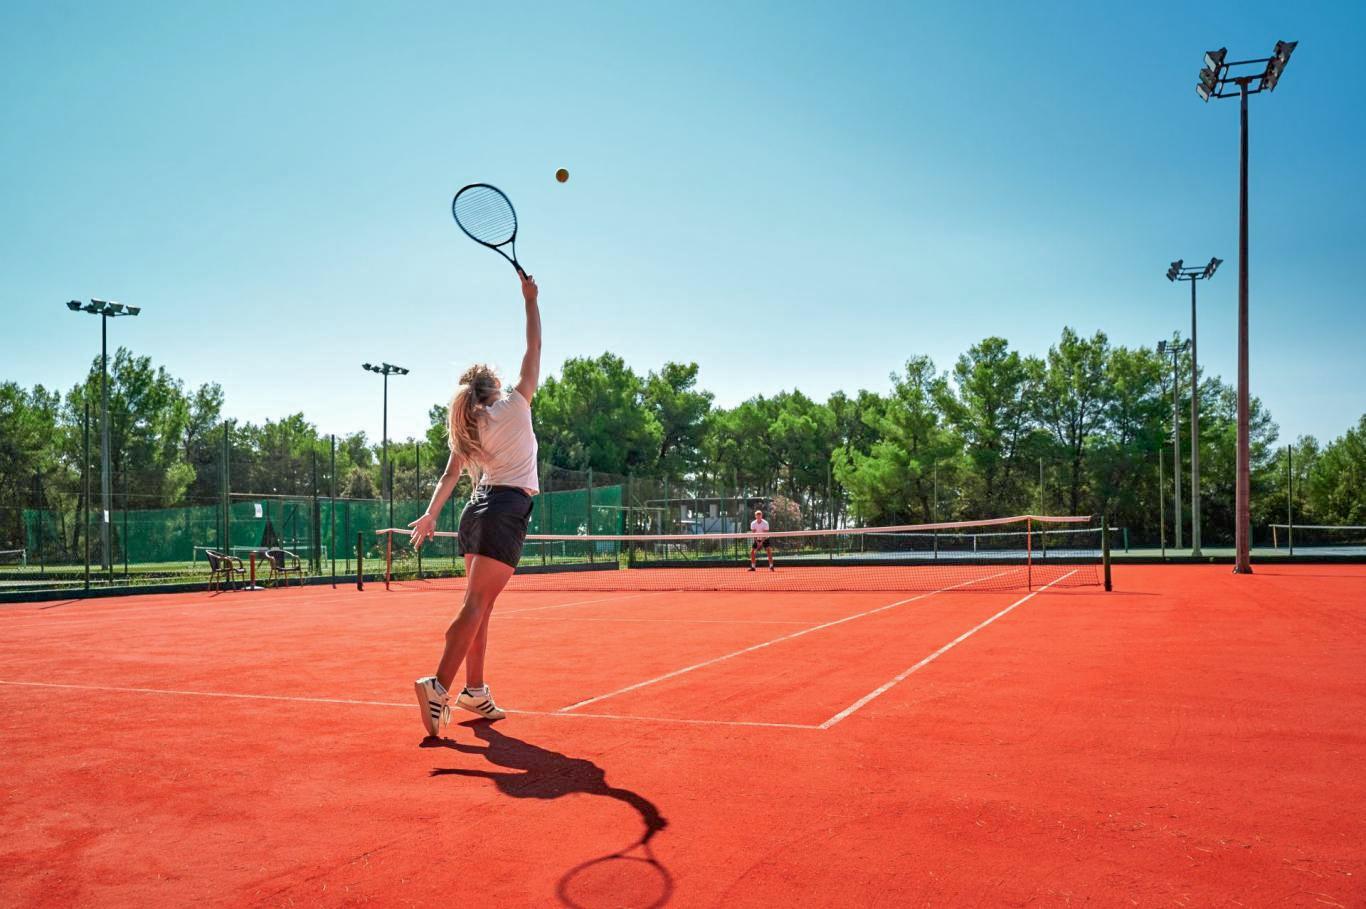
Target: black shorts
(761, 543)
(495, 522)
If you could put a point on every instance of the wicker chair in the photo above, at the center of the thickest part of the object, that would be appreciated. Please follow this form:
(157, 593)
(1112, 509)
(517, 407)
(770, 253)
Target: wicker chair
(224, 569)
(284, 563)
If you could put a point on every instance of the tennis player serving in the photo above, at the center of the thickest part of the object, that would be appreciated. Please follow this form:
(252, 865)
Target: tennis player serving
(492, 440)
(759, 527)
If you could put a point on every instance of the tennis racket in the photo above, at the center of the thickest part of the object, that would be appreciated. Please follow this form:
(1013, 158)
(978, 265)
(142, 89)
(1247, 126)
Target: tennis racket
(487, 217)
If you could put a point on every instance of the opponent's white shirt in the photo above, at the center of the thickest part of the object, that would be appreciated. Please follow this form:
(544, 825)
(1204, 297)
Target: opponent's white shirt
(760, 527)
(509, 444)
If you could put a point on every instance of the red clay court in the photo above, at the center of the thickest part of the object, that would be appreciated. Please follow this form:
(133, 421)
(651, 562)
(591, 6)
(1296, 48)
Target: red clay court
(1192, 738)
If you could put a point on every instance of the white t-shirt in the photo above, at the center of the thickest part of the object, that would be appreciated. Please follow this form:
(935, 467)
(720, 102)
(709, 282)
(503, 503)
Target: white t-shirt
(759, 526)
(509, 444)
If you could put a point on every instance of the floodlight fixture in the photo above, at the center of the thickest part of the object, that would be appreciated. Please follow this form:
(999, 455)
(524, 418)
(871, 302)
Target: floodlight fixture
(1211, 268)
(1276, 65)
(1175, 269)
(1215, 59)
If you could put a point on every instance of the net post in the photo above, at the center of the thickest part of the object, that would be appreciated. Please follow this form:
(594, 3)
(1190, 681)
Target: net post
(360, 565)
(417, 481)
(388, 555)
(1105, 548)
(253, 570)
(1029, 552)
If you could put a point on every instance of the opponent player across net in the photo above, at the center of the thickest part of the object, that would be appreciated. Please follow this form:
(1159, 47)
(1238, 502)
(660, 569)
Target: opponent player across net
(759, 527)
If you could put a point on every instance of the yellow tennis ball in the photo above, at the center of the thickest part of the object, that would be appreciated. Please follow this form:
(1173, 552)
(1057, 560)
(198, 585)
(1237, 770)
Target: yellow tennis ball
(562, 175)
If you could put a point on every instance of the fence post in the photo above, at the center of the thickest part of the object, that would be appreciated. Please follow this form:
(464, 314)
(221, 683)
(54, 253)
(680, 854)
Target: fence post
(417, 481)
(332, 511)
(591, 547)
(315, 524)
(1289, 498)
(85, 471)
(360, 560)
(123, 544)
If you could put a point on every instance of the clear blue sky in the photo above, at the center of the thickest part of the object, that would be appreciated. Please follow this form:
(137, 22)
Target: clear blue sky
(791, 195)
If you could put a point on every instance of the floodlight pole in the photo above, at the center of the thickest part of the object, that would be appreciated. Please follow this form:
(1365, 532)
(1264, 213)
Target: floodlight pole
(106, 311)
(106, 491)
(1214, 80)
(1179, 272)
(386, 483)
(1242, 505)
(1195, 435)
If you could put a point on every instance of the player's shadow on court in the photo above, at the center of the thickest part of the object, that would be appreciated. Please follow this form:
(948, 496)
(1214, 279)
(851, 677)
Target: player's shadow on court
(534, 772)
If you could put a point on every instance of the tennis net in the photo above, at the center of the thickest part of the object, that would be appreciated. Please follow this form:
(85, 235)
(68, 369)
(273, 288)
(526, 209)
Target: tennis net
(1319, 539)
(1022, 552)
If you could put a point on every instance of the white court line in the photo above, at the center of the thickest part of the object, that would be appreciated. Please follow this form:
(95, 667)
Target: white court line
(589, 618)
(778, 640)
(214, 607)
(403, 706)
(937, 654)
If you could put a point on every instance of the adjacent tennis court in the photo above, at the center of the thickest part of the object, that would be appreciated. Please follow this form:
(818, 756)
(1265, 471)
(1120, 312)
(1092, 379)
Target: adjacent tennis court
(1191, 737)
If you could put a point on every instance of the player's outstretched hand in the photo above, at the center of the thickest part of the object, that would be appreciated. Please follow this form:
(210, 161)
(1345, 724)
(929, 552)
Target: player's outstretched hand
(423, 528)
(529, 289)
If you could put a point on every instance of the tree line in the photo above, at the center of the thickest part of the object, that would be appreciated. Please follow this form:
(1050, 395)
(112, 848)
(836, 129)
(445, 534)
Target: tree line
(998, 432)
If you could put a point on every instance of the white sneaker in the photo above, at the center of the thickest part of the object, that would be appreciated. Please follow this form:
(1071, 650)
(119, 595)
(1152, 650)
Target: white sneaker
(434, 702)
(481, 704)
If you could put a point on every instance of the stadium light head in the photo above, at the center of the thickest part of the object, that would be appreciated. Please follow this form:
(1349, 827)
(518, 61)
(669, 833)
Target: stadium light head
(1203, 93)
(1175, 269)
(1212, 267)
(114, 308)
(1209, 79)
(1276, 65)
(132, 310)
(367, 367)
(1162, 347)
(1215, 59)
(73, 305)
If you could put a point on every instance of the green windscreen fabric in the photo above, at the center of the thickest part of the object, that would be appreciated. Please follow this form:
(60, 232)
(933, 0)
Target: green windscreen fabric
(310, 528)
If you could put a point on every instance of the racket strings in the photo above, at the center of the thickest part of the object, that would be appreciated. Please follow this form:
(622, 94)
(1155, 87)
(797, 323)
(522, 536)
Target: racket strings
(486, 215)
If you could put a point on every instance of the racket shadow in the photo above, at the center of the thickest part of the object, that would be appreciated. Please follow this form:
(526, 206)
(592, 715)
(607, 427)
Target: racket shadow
(533, 772)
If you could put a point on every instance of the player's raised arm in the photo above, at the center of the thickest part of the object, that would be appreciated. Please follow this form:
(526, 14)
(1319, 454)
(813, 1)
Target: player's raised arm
(531, 360)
